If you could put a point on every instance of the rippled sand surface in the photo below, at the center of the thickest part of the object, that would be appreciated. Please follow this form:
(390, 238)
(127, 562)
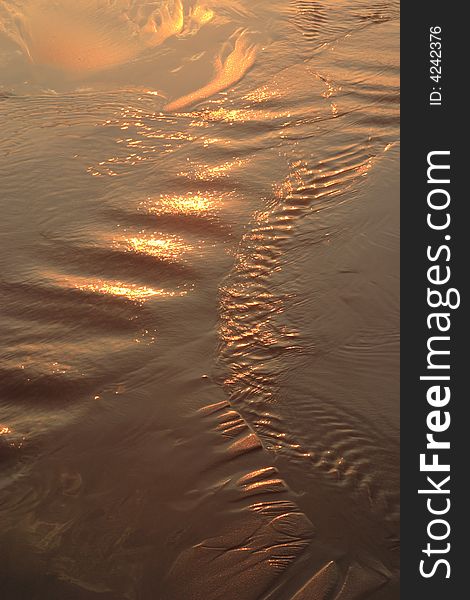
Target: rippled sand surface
(199, 290)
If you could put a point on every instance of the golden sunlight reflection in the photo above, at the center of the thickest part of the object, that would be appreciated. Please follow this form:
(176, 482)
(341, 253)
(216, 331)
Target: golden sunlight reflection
(203, 172)
(164, 23)
(130, 291)
(119, 289)
(202, 14)
(166, 248)
(263, 94)
(188, 204)
(224, 114)
(227, 72)
(10, 438)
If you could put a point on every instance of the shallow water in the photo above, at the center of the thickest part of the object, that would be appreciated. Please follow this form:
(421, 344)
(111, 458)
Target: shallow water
(199, 282)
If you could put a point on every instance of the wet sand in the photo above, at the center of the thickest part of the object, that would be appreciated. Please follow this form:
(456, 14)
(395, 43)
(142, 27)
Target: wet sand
(199, 282)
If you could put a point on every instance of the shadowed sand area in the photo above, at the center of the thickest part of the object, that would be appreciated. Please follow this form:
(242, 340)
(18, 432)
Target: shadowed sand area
(199, 287)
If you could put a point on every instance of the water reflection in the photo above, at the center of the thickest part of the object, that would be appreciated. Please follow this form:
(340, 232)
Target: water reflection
(129, 291)
(213, 172)
(168, 248)
(77, 40)
(185, 298)
(228, 71)
(83, 36)
(189, 204)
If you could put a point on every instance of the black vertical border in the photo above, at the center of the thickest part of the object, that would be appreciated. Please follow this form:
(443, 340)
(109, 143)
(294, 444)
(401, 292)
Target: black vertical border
(425, 128)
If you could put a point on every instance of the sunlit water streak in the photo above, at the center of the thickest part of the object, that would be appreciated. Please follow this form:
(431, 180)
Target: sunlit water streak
(199, 292)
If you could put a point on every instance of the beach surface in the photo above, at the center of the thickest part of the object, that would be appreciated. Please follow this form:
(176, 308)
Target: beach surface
(199, 281)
